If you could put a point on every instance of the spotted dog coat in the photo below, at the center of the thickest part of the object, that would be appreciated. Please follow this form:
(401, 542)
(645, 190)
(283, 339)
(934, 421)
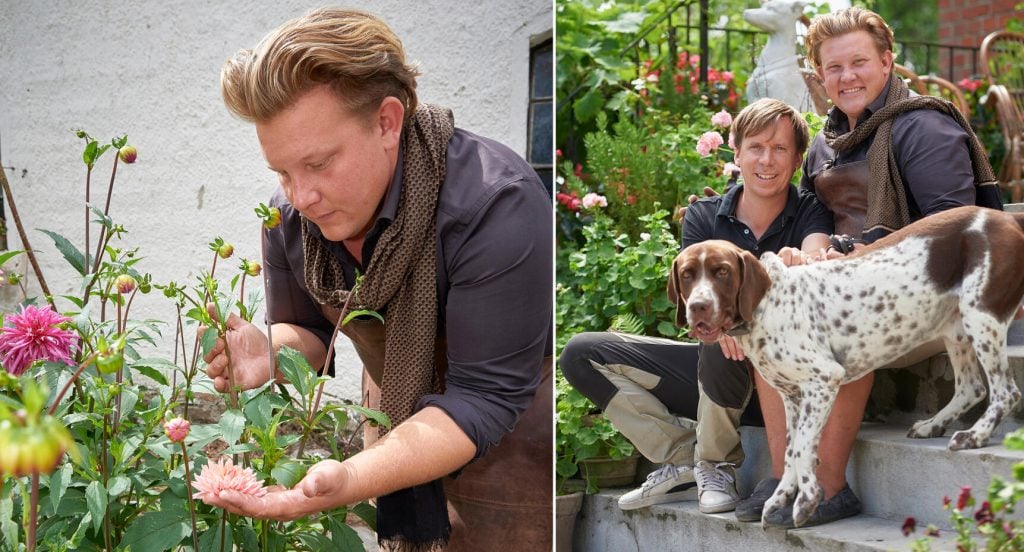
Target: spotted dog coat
(956, 276)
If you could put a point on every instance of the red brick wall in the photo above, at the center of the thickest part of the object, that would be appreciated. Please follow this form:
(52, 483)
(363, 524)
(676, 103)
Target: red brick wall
(967, 23)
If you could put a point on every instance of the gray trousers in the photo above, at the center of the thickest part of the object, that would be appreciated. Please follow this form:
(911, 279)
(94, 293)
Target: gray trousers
(676, 402)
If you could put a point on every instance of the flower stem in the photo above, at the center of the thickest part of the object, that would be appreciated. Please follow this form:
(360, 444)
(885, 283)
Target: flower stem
(88, 184)
(33, 512)
(106, 213)
(81, 367)
(191, 504)
(323, 370)
(266, 302)
(24, 239)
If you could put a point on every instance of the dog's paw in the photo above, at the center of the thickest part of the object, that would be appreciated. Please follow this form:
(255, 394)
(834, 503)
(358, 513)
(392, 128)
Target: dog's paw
(805, 504)
(966, 439)
(925, 429)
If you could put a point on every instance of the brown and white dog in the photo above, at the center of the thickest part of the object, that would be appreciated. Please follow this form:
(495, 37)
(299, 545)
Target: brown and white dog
(957, 276)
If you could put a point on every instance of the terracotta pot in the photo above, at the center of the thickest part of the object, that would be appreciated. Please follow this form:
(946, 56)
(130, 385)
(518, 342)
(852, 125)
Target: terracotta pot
(566, 509)
(610, 472)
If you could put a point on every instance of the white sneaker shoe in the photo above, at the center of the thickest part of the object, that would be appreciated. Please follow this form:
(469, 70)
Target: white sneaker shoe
(716, 487)
(669, 483)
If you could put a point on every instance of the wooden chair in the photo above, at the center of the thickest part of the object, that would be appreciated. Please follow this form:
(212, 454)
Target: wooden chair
(938, 86)
(1002, 61)
(911, 78)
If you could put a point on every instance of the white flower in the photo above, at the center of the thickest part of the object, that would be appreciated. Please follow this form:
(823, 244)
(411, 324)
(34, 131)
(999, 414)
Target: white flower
(644, 236)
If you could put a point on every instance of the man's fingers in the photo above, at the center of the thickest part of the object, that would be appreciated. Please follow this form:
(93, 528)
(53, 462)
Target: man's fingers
(212, 309)
(235, 321)
(709, 191)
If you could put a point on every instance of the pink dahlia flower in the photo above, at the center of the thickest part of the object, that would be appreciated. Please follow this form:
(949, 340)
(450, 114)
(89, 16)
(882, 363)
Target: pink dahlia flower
(35, 334)
(224, 475)
(177, 429)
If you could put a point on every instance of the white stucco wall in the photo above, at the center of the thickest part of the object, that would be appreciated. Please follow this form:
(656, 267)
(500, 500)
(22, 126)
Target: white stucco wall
(151, 69)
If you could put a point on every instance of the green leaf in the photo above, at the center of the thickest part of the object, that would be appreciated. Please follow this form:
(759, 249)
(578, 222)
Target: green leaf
(8, 255)
(159, 530)
(315, 541)
(96, 498)
(71, 253)
(59, 484)
(589, 105)
(628, 22)
(117, 486)
(367, 513)
(150, 372)
(232, 424)
(345, 538)
(357, 313)
(287, 473)
(8, 527)
(667, 329)
(209, 338)
(101, 217)
(296, 369)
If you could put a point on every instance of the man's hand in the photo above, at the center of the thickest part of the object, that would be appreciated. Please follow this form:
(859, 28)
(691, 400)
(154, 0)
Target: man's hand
(250, 355)
(321, 490)
(730, 349)
(681, 211)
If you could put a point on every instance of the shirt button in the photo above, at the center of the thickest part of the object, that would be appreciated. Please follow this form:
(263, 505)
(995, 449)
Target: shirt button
(746, 231)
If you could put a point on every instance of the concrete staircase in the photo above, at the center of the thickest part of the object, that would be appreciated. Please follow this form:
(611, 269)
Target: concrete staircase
(894, 477)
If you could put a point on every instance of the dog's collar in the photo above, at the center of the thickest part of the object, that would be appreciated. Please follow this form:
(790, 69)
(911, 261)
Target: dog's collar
(739, 329)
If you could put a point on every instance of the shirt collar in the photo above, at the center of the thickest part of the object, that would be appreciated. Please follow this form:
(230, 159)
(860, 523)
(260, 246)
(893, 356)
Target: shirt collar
(731, 200)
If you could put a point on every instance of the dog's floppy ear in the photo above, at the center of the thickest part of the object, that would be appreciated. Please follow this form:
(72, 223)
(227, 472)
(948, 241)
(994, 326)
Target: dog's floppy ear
(673, 292)
(754, 283)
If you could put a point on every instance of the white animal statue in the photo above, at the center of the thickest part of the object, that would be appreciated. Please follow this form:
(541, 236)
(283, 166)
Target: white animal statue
(777, 74)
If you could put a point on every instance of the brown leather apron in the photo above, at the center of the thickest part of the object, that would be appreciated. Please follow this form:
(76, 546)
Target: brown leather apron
(844, 191)
(503, 500)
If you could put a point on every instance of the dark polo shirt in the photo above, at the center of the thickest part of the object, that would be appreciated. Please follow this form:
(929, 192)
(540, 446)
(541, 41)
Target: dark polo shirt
(727, 382)
(494, 282)
(714, 218)
(931, 151)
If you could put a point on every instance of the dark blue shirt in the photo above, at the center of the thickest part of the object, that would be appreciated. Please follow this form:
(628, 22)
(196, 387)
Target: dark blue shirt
(495, 282)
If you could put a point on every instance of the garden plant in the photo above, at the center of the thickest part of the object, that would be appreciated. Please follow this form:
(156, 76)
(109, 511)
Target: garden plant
(98, 449)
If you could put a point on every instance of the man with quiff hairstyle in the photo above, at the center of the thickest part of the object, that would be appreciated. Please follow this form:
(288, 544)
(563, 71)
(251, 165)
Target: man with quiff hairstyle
(386, 206)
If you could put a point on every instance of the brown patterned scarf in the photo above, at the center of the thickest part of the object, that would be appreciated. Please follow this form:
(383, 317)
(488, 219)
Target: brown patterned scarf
(888, 209)
(402, 277)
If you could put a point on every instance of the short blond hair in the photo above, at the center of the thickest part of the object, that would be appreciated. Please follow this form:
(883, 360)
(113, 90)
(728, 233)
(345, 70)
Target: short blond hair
(831, 25)
(352, 51)
(764, 114)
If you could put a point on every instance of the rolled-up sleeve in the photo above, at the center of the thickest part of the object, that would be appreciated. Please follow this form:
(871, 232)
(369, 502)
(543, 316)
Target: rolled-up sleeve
(498, 310)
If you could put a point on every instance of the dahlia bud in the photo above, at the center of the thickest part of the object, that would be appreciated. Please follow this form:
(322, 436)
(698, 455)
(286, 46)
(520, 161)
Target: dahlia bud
(177, 429)
(271, 215)
(128, 154)
(225, 250)
(273, 218)
(35, 448)
(109, 362)
(252, 268)
(125, 284)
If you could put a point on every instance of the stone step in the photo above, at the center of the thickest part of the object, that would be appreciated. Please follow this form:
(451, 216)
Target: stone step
(680, 527)
(895, 476)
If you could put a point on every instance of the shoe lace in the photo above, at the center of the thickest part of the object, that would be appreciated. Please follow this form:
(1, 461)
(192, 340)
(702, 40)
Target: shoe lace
(711, 477)
(668, 471)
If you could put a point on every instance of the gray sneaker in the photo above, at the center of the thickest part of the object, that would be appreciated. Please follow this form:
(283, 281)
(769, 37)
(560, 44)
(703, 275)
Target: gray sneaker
(669, 483)
(843, 505)
(716, 484)
(751, 508)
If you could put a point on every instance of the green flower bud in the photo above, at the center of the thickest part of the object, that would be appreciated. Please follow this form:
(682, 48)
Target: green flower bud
(225, 251)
